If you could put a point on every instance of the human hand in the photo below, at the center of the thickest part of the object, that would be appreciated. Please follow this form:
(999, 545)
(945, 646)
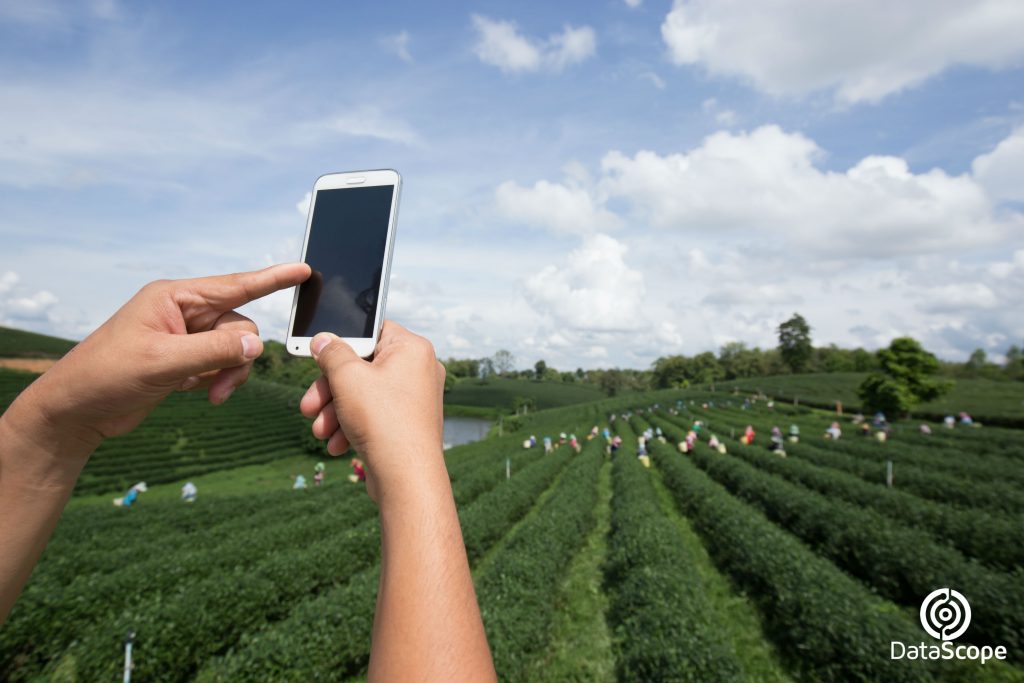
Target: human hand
(389, 409)
(173, 334)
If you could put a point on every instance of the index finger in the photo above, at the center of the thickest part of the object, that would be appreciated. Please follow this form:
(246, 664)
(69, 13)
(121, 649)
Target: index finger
(237, 289)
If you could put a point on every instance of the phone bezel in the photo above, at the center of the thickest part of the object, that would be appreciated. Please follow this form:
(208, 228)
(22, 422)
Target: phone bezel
(364, 346)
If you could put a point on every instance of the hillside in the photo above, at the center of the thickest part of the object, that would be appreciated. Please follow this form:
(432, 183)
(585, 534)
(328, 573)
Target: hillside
(21, 344)
(500, 393)
(186, 436)
(996, 402)
(587, 567)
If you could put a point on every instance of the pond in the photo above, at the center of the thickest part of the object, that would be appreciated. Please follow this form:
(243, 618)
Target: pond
(462, 430)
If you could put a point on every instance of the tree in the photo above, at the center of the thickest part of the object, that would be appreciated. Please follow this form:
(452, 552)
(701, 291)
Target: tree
(903, 380)
(540, 368)
(612, 381)
(1014, 365)
(795, 342)
(503, 361)
(976, 362)
(486, 367)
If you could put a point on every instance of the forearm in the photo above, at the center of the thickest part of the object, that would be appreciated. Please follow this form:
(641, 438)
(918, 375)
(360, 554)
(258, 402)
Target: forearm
(428, 624)
(39, 465)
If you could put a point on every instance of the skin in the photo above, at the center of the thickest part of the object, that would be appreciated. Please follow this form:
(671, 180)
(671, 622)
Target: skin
(185, 335)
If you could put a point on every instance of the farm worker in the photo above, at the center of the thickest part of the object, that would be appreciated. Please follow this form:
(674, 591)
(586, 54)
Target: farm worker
(879, 419)
(562, 438)
(533, 441)
(616, 444)
(607, 434)
(925, 430)
(358, 471)
(794, 433)
(776, 439)
(300, 482)
(949, 421)
(574, 443)
(318, 473)
(131, 496)
(713, 442)
(881, 436)
(189, 492)
(865, 429)
(641, 453)
(526, 443)
(697, 426)
(748, 436)
(185, 334)
(684, 447)
(966, 419)
(858, 418)
(833, 432)
(593, 433)
(548, 448)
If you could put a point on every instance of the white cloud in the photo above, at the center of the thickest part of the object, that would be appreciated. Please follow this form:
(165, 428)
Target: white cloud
(1001, 171)
(863, 50)
(634, 3)
(7, 282)
(561, 208)
(766, 182)
(499, 43)
(302, 206)
(592, 290)
(398, 44)
(655, 80)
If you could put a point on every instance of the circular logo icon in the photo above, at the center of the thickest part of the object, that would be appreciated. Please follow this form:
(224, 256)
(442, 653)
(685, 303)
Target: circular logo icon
(945, 614)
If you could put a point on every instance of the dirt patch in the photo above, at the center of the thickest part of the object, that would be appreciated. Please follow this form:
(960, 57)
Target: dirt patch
(39, 365)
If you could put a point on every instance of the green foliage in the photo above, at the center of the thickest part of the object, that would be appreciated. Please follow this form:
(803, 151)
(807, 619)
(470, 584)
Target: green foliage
(501, 393)
(462, 368)
(21, 344)
(658, 607)
(904, 379)
(795, 343)
(681, 371)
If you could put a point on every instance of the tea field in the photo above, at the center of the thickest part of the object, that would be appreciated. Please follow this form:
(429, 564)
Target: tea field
(589, 567)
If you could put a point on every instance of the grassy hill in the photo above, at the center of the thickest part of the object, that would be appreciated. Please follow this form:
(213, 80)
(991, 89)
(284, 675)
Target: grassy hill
(21, 344)
(500, 394)
(996, 402)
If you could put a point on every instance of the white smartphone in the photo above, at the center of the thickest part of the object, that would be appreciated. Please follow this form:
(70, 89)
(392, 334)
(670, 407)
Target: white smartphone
(350, 236)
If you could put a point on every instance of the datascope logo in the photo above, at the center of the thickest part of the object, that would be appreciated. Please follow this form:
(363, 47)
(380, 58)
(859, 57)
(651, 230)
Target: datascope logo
(945, 616)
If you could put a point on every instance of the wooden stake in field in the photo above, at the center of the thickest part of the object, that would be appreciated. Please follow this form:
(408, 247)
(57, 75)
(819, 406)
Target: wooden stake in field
(128, 656)
(508, 468)
(888, 473)
(839, 408)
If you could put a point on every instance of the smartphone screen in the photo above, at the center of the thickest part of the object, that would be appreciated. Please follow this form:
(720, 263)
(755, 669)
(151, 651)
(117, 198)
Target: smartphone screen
(347, 237)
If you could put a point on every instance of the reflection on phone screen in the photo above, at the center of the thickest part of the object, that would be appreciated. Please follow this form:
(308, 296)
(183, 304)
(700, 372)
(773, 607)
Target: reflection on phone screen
(346, 244)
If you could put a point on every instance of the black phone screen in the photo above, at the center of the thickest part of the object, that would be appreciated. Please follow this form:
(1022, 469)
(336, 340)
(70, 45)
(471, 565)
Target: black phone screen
(345, 250)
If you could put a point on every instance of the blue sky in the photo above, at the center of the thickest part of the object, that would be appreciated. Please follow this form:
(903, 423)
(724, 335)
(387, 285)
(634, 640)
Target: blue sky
(589, 183)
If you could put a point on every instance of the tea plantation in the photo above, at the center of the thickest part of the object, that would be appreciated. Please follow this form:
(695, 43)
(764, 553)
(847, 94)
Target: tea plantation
(705, 566)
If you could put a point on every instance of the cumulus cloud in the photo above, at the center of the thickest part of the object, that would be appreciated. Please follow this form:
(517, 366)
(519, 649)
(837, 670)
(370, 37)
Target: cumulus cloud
(863, 51)
(1001, 171)
(561, 208)
(499, 43)
(20, 304)
(594, 289)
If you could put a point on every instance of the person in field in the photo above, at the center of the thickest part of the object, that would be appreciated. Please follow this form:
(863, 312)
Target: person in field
(926, 430)
(133, 495)
(299, 482)
(318, 473)
(641, 452)
(574, 443)
(358, 471)
(748, 436)
(966, 419)
(794, 433)
(776, 440)
(548, 447)
(834, 432)
(593, 433)
(865, 429)
(949, 421)
(185, 335)
(615, 444)
(189, 492)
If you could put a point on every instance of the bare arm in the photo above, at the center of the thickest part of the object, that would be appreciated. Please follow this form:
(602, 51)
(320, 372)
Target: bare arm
(427, 625)
(171, 335)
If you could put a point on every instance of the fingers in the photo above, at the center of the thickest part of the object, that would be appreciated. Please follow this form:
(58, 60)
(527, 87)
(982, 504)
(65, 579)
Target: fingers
(330, 352)
(224, 292)
(326, 422)
(226, 382)
(316, 397)
(180, 357)
(337, 444)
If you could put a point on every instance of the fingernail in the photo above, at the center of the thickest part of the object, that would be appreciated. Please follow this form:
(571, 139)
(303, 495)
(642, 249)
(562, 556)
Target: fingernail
(319, 342)
(227, 394)
(250, 346)
(191, 383)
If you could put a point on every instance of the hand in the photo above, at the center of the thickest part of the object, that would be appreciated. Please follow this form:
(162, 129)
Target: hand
(389, 410)
(173, 334)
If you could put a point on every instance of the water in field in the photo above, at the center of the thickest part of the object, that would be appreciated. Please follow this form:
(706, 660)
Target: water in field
(460, 430)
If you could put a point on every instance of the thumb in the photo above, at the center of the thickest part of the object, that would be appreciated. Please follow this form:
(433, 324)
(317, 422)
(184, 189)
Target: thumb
(193, 354)
(330, 352)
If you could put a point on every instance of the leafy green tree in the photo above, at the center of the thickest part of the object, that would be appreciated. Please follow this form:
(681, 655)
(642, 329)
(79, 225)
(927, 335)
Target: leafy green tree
(905, 378)
(671, 371)
(1014, 365)
(540, 368)
(976, 362)
(503, 362)
(612, 381)
(795, 343)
